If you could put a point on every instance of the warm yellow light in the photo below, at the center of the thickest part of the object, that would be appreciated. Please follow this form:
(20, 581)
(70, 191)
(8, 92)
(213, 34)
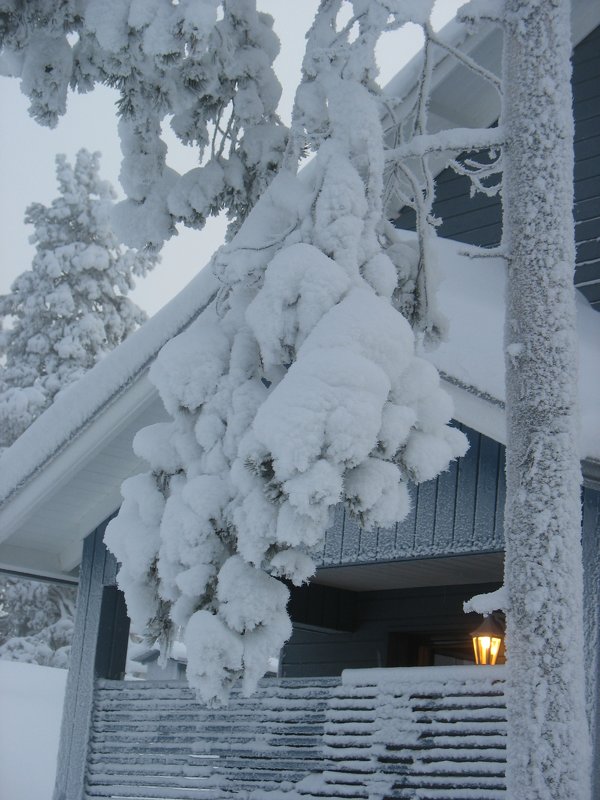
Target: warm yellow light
(487, 640)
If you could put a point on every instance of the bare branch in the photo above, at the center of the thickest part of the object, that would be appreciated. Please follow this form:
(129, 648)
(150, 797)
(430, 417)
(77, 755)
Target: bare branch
(420, 125)
(486, 74)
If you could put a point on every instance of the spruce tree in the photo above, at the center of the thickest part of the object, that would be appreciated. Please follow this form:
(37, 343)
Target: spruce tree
(36, 621)
(71, 307)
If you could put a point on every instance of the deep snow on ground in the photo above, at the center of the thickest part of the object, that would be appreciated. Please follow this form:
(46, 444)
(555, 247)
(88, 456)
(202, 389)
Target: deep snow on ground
(31, 700)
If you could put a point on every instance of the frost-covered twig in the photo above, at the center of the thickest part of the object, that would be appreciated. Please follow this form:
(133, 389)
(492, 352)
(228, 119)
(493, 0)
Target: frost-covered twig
(484, 252)
(477, 173)
(465, 59)
(452, 140)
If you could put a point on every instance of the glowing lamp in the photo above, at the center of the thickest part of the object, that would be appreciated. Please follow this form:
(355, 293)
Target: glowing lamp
(487, 641)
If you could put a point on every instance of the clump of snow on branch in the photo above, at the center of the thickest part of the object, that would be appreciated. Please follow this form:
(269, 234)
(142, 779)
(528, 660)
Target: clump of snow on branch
(300, 388)
(202, 66)
(487, 603)
(71, 307)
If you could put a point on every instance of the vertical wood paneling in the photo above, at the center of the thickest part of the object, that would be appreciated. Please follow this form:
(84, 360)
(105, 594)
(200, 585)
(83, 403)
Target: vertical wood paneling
(386, 543)
(368, 546)
(405, 530)
(351, 538)
(113, 635)
(487, 481)
(466, 491)
(478, 220)
(444, 515)
(425, 517)
(500, 499)
(459, 512)
(332, 550)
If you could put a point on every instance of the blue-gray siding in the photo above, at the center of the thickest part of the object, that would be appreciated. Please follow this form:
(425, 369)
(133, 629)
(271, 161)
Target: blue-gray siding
(478, 220)
(459, 512)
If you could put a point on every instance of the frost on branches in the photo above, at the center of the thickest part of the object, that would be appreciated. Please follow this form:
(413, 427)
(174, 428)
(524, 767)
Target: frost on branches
(72, 306)
(36, 621)
(298, 389)
(202, 66)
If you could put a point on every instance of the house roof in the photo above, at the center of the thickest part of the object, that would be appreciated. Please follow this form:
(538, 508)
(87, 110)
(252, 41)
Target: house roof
(62, 477)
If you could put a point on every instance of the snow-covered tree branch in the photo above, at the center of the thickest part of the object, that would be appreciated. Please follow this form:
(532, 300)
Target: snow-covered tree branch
(300, 390)
(202, 66)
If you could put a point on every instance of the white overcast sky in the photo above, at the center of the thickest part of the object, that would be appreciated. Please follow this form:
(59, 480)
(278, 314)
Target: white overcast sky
(27, 151)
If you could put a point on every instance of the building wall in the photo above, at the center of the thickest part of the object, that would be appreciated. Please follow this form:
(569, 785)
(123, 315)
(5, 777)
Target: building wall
(459, 512)
(478, 220)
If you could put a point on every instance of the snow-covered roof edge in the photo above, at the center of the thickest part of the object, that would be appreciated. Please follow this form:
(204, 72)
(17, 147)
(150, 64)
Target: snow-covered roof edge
(76, 408)
(585, 17)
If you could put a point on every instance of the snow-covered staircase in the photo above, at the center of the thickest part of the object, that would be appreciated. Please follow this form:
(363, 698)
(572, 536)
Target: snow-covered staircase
(427, 733)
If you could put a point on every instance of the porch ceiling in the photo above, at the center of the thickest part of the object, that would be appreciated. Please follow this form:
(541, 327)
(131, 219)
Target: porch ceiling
(451, 571)
(79, 490)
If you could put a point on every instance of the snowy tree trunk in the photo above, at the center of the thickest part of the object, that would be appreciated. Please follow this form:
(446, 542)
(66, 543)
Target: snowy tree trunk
(548, 742)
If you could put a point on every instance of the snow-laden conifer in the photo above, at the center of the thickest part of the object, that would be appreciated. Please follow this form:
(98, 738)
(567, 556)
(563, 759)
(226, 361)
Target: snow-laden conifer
(36, 621)
(203, 67)
(299, 389)
(71, 307)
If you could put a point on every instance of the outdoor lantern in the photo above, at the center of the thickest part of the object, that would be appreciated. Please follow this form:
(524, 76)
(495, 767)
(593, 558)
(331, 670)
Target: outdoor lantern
(487, 640)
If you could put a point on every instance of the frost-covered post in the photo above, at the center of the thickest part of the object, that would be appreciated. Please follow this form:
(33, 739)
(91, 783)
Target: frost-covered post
(548, 750)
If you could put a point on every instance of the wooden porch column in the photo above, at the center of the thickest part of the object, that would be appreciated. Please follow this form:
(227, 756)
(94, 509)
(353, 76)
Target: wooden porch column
(591, 610)
(99, 649)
